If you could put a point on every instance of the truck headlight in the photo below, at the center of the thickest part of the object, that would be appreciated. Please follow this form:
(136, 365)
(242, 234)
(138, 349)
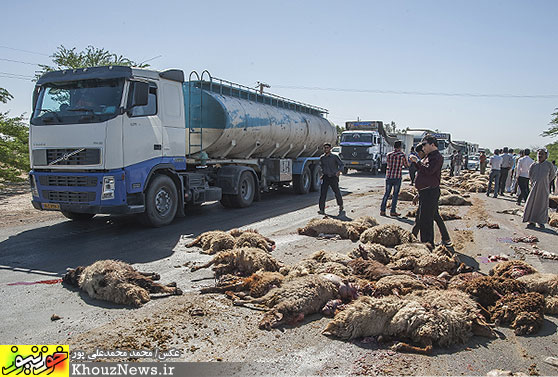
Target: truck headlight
(33, 183)
(109, 187)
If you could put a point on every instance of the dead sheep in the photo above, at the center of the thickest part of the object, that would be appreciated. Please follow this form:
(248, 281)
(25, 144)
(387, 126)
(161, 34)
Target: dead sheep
(454, 200)
(553, 220)
(553, 201)
(298, 298)
(442, 317)
(545, 284)
(398, 285)
(244, 261)
(311, 266)
(388, 235)
(363, 222)
(512, 269)
(214, 241)
(419, 259)
(328, 225)
(487, 290)
(323, 256)
(117, 282)
(476, 186)
(522, 312)
(371, 251)
(252, 238)
(255, 285)
(445, 213)
(456, 281)
(407, 194)
(369, 269)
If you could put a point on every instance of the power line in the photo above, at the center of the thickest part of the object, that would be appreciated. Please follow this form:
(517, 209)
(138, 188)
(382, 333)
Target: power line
(19, 49)
(15, 77)
(16, 74)
(418, 93)
(18, 61)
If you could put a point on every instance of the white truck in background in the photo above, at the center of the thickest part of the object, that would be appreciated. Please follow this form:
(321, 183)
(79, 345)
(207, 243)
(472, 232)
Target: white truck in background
(365, 145)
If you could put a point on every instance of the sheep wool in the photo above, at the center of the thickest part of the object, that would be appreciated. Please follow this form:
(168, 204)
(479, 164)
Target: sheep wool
(388, 235)
(214, 241)
(371, 251)
(244, 261)
(330, 226)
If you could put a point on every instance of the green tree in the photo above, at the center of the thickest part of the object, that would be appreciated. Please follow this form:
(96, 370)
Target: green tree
(14, 153)
(69, 58)
(553, 130)
(552, 151)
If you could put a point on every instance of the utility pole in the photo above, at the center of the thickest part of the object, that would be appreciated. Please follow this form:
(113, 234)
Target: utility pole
(262, 85)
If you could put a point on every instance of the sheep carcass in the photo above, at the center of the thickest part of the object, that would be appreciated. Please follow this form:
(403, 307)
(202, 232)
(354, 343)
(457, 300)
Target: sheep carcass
(214, 241)
(320, 262)
(523, 312)
(388, 235)
(418, 258)
(299, 297)
(252, 238)
(369, 269)
(256, 285)
(345, 229)
(244, 261)
(445, 213)
(512, 269)
(371, 251)
(547, 285)
(443, 317)
(454, 200)
(117, 282)
(363, 222)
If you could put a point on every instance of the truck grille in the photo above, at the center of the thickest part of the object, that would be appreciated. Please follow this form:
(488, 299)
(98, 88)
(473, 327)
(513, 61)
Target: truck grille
(88, 156)
(354, 153)
(69, 196)
(72, 181)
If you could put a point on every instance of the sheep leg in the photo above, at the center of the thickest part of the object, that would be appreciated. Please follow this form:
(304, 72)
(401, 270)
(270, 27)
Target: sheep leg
(234, 286)
(405, 347)
(151, 275)
(152, 287)
(206, 265)
(195, 242)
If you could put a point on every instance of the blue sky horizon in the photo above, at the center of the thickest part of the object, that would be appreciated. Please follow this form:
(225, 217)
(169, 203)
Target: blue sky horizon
(484, 71)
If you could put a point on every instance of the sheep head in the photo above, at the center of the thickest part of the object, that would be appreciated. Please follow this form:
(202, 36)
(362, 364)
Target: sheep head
(72, 275)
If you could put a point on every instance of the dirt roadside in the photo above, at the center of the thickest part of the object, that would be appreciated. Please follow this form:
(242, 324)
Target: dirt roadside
(16, 208)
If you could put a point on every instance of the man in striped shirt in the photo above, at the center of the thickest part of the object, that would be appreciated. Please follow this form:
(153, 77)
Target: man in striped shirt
(396, 160)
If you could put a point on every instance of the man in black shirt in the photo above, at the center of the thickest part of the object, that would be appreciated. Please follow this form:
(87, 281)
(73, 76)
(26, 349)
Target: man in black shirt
(332, 166)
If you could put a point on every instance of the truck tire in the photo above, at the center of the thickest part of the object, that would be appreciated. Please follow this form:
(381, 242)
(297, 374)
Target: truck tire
(246, 191)
(161, 201)
(316, 177)
(75, 216)
(302, 182)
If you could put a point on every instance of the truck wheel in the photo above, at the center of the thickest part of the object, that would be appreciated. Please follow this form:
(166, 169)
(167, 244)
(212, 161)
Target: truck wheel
(302, 182)
(161, 201)
(316, 177)
(246, 191)
(75, 216)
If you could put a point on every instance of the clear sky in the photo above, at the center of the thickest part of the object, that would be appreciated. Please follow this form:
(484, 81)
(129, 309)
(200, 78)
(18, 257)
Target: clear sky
(376, 60)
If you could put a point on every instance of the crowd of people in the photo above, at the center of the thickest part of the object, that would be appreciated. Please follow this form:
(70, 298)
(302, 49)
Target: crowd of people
(514, 174)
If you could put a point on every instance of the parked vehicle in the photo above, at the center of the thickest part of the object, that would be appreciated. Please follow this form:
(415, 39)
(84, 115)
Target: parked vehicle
(120, 140)
(364, 146)
(336, 150)
(473, 163)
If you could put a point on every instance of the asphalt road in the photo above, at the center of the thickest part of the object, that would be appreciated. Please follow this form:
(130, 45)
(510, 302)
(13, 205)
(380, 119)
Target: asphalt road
(43, 251)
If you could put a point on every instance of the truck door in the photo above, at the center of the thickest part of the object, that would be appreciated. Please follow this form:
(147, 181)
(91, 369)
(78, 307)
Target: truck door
(142, 133)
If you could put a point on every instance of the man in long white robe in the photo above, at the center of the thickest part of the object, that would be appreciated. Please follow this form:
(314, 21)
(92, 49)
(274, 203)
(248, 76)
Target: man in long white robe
(540, 174)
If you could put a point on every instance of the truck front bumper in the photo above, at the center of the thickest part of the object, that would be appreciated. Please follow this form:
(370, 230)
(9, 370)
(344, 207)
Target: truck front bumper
(93, 209)
(358, 164)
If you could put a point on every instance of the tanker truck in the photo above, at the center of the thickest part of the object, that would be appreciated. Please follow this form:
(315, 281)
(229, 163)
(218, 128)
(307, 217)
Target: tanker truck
(122, 140)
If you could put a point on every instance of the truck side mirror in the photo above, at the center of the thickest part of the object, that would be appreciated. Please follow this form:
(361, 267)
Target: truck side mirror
(140, 93)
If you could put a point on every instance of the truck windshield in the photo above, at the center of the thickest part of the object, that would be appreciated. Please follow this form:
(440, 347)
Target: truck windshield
(86, 101)
(356, 138)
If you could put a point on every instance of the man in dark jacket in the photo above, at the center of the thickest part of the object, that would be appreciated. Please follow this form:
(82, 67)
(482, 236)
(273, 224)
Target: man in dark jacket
(332, 166)
(428, 186)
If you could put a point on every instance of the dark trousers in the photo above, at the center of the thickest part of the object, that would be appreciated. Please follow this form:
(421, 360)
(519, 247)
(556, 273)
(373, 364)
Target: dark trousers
(412, 173)
(332, 182)
(428, 203)
(438, 220)
(503, 178)
(523, 184)
(394, 183)
(493, 177)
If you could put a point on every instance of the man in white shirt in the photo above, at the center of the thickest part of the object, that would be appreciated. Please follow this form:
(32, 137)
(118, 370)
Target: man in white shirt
(505, 167)
(522, 168)
(495, 164)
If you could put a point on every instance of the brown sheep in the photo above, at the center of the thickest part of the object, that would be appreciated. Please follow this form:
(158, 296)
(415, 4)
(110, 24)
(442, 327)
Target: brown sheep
(523, 312)
(371, 251)
(417, 258)
(256, 285)
(407, 194)
(323, 256)
(252, 238)
(547, 285)
(553, 220)
(454, 200)
(214, 241)
(117, 282)
(328, 225)
(363, 222)
(244, 261)
(489, 289)
(388, 235)
(369, 269)
(299, 297)
(512, 269)
(426, 318)
(312, 266)
(398, 285)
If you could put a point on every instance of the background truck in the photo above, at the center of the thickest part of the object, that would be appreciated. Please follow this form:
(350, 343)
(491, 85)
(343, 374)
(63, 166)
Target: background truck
(365, 145)
(444, 143)
(121, 140)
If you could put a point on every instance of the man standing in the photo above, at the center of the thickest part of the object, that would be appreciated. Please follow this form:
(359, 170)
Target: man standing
(523, 166)
(507, 162)
(495, 164)
(482, 163)
(453, 163)
(540, 174)
(412, 167)
(332, 166)
(395, 162)
(428, 186)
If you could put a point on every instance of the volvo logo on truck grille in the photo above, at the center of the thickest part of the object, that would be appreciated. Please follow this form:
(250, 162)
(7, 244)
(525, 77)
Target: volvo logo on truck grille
(66, 156)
